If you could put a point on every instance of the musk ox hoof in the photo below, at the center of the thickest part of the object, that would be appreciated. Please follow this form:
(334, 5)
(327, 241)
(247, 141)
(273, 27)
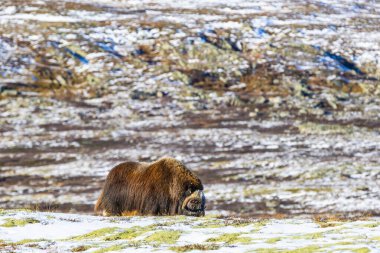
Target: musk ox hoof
(164, 187)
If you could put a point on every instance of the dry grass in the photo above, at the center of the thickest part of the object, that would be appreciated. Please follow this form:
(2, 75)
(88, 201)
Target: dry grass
(161, 24)
(264, 81)
(331, 220)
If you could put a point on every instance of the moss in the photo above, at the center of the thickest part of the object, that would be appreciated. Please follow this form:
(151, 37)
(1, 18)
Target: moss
(111, 248)
(327, 224)
(376, 238)
(273, 240)
(259, 224)
(95, 234)
(340, 243)
(238, 222)
(322, 189)
(80, 248)
(307, 249)
(180, 217)
(129, 233)
(361, 250)
(266, 250)
(28, 210)
(164, 237)
(336, 220)
(26, 241)
(357, 250)
(372, 225)
(231, 238)
(210, 224)
(320, 173)
(294, 190)
(308, 236)
(313, 128)
(260, 191)
(23, 210)
(166, 224)
(191, 247)
(19, 222)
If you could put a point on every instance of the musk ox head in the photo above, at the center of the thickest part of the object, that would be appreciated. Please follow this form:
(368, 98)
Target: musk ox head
(164, 187)
(194, 204)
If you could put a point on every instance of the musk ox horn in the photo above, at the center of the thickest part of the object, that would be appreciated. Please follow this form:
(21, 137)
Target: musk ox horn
(194, 204)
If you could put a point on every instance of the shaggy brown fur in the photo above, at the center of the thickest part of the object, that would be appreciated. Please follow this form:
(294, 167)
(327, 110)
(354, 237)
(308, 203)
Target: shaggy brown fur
(164, 187)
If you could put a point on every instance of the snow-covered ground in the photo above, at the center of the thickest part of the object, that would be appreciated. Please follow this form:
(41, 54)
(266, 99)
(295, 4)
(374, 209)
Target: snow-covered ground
(27, 231)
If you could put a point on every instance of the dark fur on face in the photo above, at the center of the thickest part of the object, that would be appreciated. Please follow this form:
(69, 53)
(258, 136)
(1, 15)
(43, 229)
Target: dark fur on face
(164, 187)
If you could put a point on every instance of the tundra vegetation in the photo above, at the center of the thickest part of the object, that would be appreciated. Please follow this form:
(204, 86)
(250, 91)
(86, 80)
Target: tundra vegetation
(89, 233)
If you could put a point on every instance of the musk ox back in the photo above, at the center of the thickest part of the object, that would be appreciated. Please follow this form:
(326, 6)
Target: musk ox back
(164, 187)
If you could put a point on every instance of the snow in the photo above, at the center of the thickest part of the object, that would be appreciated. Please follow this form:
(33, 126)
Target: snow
(57, 231)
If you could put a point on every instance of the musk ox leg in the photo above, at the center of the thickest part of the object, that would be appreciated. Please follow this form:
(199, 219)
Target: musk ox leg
(130, 213)
(99, 209)
(99, 205)
(111, 200)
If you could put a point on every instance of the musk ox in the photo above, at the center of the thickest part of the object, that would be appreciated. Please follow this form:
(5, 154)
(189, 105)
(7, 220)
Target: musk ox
(164, 187)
